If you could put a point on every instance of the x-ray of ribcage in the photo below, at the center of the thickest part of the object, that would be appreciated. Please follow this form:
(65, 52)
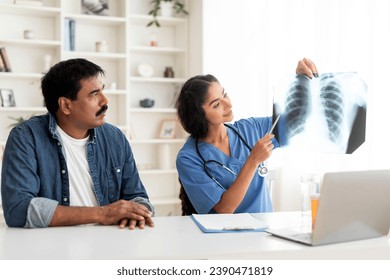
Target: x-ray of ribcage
(327, 113)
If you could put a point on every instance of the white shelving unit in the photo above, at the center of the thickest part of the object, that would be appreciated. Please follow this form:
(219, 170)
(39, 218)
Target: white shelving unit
(128, 41)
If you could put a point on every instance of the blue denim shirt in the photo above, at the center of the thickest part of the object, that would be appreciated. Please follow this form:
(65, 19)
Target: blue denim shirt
(35, 176)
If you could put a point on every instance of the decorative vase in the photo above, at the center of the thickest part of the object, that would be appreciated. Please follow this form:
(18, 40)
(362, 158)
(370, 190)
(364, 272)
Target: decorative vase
(166, 9)
(101, 46)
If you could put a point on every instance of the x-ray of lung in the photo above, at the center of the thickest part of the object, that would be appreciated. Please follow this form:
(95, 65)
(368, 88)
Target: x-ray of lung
(327, 113)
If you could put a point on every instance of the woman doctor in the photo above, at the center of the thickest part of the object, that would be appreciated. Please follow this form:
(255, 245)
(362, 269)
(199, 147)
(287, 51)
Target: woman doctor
(220, 165)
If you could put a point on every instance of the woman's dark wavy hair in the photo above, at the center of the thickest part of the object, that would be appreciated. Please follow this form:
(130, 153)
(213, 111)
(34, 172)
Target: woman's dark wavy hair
(187, 208)
(189, 105)
(63, 80)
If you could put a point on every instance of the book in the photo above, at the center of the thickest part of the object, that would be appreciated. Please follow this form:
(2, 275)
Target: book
(69, 34)
(4, 57)
(66, 45)
(72, 34)
(2, 67)
(212, 223)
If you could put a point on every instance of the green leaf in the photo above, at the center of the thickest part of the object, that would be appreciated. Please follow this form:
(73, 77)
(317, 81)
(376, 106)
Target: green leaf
(155, 7)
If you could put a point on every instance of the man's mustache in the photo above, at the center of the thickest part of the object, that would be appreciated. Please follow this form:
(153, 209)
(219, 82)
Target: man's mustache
(102, 110)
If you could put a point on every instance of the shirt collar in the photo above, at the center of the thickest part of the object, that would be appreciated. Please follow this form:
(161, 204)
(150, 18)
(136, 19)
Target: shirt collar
(54, 132)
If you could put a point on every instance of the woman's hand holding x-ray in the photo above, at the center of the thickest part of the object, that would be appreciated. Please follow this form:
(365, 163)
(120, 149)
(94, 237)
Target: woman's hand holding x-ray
(262, 150)
(307, 67)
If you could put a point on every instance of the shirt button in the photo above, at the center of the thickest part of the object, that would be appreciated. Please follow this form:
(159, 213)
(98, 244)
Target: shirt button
(59, 143)
(65, 199)
(118, 170)
(63, 171)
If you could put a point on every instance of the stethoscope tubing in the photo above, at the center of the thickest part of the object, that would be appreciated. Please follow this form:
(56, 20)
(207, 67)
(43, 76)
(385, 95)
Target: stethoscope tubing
(261, 170)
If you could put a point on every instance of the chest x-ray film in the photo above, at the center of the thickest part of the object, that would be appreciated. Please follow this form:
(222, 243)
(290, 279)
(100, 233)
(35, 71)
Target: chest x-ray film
(325, 114)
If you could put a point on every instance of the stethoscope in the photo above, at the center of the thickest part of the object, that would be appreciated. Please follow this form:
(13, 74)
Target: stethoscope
(261, 169)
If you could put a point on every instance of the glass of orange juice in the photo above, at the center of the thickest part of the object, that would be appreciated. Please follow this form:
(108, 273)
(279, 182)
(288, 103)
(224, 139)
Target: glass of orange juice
(310, 185)
(314, 199)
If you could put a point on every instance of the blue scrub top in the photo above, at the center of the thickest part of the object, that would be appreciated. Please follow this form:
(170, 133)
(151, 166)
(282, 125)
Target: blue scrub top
(203, 191)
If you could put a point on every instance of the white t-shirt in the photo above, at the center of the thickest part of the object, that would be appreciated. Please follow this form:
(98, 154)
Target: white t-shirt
(80, 180)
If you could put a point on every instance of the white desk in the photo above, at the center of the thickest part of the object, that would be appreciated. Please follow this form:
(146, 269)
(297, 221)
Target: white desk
(175, 238)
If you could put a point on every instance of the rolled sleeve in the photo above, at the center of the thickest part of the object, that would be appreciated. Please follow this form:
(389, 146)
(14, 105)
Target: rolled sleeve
(40, 212)
(145, 202)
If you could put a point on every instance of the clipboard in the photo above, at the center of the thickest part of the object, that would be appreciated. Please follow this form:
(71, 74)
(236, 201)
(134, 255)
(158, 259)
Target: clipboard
(217, 223)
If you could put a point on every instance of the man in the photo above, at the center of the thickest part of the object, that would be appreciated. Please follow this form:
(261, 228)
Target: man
(69, 167)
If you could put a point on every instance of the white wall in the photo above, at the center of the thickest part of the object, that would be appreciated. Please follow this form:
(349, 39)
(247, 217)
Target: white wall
(249, 45)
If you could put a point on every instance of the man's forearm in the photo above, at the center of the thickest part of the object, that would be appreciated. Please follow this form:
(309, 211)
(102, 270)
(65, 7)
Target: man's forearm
(71, 215)
(106, 215)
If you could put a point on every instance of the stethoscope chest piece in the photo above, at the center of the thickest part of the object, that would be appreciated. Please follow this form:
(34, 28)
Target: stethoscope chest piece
(262, 170)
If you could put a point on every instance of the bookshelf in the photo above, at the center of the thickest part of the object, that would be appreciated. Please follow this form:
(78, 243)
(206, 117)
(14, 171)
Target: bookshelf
(126, 45)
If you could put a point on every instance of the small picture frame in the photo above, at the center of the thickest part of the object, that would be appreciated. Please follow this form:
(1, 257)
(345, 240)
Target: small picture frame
(95, 7)
(7, 97)
(168, 129)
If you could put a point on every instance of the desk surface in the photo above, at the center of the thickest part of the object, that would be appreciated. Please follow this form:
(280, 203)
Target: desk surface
(175, 238)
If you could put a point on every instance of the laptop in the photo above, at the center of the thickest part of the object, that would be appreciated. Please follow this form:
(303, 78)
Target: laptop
(353, 205)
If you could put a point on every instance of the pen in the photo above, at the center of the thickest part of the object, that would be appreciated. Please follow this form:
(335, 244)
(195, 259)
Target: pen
(238, 228)
(273, 126)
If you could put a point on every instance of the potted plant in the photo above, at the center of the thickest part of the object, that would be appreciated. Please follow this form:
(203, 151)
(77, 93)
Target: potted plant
(18, 120)
(165, 5)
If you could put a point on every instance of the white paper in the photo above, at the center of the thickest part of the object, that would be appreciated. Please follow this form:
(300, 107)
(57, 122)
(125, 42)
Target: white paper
(222, 222)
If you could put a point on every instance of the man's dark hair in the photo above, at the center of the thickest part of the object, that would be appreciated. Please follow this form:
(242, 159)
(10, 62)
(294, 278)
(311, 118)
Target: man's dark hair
(64, 80)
